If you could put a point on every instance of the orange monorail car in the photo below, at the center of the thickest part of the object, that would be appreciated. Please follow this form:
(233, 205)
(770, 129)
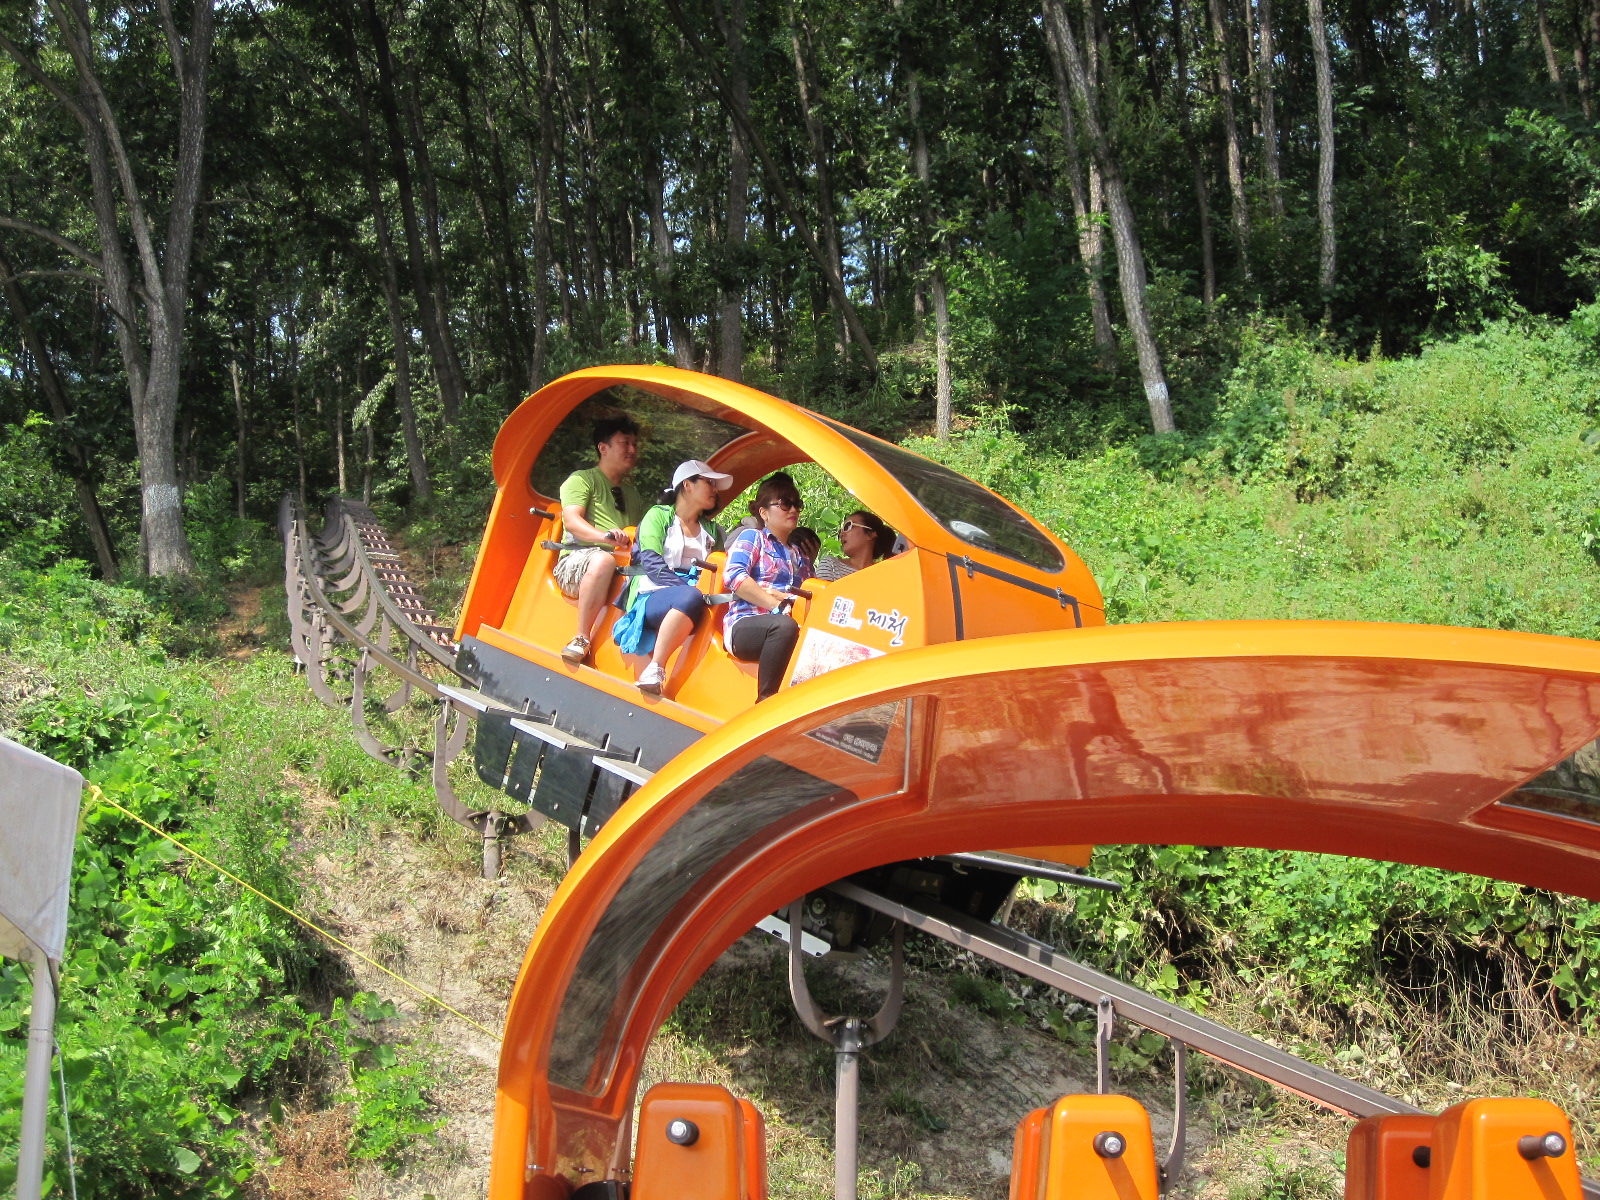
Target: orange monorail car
(575, 740)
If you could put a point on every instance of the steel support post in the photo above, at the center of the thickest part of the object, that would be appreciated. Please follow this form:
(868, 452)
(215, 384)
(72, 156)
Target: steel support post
(36, 1079)
(846, 1106)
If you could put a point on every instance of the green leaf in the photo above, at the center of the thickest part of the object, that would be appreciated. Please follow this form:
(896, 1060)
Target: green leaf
(186, 1160)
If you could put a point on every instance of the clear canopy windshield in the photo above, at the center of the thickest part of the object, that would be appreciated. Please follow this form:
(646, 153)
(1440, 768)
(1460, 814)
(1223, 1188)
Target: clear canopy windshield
(974, 514)
(848, 760)
(669, 433)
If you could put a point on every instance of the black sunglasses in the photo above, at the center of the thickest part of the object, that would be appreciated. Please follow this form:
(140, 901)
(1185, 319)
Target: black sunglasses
(786, 505)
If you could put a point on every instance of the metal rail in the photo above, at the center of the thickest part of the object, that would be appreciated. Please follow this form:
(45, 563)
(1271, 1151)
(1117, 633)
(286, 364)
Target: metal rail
(347, 588)
(1038, 961)
(1033, 958)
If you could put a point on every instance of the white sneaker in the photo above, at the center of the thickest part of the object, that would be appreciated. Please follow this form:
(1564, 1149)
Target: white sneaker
(650, 682)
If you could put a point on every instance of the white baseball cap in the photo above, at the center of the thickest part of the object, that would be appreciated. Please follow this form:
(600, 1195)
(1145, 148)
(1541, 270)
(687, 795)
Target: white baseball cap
(695, 467)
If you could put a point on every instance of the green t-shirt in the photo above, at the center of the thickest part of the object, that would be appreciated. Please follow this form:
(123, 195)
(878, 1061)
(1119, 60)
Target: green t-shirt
(590, 490)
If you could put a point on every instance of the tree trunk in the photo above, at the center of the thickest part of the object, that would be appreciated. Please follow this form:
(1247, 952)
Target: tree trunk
(1202, 189)
(944, 410)
(1130, 258)
(1580, 63)
(434, 271)
(431, 311)
(809, 89)
(1594, 38)
(1230, 129)
(1550, 64)
(399, 324)
(338, 441)
(1319, 53)
(292, 364)
(366, 470)
(162, 293)
(922, 166)
(776, 183)
(1086, 216)
(541, 225)
(239, 426)
(661, 243)
(80, 465)
(738, 197)
(1269, 110)
(507, 284)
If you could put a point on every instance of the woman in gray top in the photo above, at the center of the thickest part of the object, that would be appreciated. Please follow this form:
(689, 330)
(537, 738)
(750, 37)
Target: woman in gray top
(864, 539)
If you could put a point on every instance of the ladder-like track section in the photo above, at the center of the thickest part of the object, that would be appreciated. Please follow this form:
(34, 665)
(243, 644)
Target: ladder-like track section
(353, 611)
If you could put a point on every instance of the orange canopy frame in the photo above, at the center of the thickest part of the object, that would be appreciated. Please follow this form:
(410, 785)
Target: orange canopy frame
(1400, 743)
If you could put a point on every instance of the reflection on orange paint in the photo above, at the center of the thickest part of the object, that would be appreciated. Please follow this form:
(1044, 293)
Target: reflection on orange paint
(1476, 1155)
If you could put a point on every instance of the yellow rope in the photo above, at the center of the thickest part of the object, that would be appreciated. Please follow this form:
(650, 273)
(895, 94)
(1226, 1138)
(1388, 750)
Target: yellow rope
(306, 921)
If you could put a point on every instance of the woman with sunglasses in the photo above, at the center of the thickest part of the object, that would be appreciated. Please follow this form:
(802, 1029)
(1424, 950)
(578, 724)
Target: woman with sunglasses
(673, 537)
(763, 567)
(864, 539)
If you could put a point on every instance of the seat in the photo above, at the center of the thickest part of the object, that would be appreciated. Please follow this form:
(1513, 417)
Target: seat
(698, 1141)
(1388, 1157)
(1085, 1148)
(1503, 1149)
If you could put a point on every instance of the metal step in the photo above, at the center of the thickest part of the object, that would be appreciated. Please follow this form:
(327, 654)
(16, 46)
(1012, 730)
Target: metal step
(562, 740)
(778, 927)
(631, 771)
(475, 700)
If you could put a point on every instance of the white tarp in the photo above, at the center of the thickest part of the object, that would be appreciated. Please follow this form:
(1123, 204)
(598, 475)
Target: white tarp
(38, 822)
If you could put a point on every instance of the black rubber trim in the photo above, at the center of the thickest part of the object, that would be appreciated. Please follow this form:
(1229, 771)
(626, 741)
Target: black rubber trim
(955, 595)
(973, 567)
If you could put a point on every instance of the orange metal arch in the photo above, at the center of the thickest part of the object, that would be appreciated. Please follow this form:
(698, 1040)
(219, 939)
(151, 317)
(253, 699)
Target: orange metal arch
(1382, 741)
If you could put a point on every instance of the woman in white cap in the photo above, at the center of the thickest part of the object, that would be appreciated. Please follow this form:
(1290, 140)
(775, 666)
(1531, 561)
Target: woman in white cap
(672, 536)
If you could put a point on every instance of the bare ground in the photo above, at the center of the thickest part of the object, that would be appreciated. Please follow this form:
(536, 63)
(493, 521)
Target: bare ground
(940, 1097)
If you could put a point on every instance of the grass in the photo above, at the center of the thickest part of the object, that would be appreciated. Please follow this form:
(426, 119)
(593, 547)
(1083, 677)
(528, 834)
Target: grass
(1452, 488)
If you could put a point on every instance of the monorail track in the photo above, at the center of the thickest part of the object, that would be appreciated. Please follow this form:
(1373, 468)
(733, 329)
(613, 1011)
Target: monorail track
(355, 614)
(353, 611)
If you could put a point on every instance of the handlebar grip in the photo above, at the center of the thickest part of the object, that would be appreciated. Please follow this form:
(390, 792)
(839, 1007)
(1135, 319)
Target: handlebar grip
(549, 545)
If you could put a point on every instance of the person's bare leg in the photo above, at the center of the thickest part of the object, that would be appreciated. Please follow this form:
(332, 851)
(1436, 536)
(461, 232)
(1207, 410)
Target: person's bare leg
(675, 627)
(592, 589)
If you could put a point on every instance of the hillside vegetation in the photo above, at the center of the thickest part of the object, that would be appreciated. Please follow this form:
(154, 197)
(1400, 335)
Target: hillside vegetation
(1457, 486)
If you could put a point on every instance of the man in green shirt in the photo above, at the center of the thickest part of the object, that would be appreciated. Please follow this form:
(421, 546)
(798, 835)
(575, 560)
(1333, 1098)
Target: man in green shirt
(596, 505)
